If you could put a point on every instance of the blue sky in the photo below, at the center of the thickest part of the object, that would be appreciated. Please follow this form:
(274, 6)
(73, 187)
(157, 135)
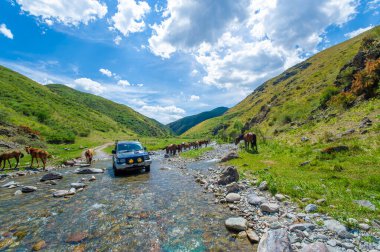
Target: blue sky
(169, 59)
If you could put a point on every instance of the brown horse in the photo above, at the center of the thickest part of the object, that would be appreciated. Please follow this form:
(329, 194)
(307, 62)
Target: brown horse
(249, 139)
(9, 155)
(89, 154)
(37, 154)
(186, 146)
(171, 149)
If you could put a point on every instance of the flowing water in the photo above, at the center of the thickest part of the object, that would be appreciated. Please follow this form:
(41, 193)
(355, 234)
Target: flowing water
(164, 210)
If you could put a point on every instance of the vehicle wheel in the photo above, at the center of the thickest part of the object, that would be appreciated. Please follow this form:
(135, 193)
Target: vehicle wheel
(147, 168)
(116, 172)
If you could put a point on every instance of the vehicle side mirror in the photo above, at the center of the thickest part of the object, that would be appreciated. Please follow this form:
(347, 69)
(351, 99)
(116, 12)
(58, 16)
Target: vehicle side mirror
(113, 151)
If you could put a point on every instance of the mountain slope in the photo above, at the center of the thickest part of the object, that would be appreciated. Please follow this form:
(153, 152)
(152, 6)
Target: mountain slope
(60, 118)
(122, 114)
(183, 124)
(307, 98)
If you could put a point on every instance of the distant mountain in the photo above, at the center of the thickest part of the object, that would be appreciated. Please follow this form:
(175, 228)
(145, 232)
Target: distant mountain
(326, 94)
(182, 125)
(61, 114)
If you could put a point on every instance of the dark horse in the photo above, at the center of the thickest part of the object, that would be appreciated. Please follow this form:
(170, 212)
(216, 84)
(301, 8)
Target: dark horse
(249, 139)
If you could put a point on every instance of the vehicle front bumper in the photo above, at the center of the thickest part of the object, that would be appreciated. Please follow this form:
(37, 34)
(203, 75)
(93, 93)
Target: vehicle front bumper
(134, 166)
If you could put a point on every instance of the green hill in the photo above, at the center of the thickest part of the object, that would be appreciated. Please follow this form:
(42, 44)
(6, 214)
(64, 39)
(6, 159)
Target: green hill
(318, 127)
(61, 114)
(183, 124)
(309, 97)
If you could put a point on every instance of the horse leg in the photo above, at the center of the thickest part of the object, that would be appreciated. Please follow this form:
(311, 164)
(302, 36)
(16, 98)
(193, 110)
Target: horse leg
(9, 162)
(44, 162)
(18, 160)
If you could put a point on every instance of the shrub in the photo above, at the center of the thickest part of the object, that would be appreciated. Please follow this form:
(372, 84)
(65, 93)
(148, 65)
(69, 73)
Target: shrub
(42, 116)
(4, 116)
(59, 137)
(344, 100)
(326, 96)
(286, 119)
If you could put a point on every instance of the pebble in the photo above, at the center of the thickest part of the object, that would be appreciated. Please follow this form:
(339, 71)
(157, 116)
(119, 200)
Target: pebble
(252, 236)
(233, 197)
(236, 224)
(311, 208)
(28, 189)
(39, 245)
(93, 178)
(269, 207)
(263, 186)
(280, 197)
(364, 226)
(18, 192)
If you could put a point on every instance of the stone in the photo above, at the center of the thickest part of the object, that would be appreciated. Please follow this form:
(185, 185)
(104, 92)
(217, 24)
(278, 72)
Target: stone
(332, 243)
(236, 224)
(11, 183)
(263, 186)
(302, 227)
(348, 245)
(21, 173)
(233, 187)
(18, 192)
(89, 171)
(304, 163)
(304, 139)
(60, 193)
(275, 240)
(365, 204)
(77, 237)
(28, 189)
(232, 155)
(269, 207)
(311, 208)
(51, 176)
(315, 247)
(93, 178)
(252, 236)
(51, 182)
(366, 122)
(39, 245)
(334, 149)
(280, 197)
(72, 191)
(6, 243)
(335, 226)
(255, 200)
(78, 185)
(232, 197)
(364, 226)
(229, 175)
(242, 235)
(320, 201)
(69, 163)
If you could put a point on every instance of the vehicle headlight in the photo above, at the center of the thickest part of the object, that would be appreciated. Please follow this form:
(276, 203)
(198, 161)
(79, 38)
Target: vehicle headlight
(120, 160)
(139, 160)
(130, 161)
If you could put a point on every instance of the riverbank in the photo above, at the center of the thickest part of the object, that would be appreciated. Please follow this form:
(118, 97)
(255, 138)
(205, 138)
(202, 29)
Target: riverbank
(300, 226)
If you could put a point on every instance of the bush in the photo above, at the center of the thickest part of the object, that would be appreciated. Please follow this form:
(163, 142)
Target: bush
(326, 96)
(4, 116)
(286, 119)
(344, 100)
(59, 137)
(42, 116)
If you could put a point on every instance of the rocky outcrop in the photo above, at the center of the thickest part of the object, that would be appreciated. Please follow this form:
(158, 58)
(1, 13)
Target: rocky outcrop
(229, 175)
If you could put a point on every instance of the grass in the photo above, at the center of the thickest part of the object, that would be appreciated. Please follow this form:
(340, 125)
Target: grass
(196, 153)
(339, 178)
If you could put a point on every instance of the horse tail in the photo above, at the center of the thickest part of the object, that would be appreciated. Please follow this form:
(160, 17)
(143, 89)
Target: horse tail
(21, 155)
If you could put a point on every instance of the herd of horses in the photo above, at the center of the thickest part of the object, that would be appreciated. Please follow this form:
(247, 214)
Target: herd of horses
(250, 141)
(36, 154)
(174, 148)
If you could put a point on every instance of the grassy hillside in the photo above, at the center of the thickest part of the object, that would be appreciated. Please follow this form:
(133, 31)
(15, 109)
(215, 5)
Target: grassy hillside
(59, 114)
(121, 114)
(184, 124)
(329, 100)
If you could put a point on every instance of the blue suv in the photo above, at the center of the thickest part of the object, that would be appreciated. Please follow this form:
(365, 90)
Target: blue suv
(129, 156)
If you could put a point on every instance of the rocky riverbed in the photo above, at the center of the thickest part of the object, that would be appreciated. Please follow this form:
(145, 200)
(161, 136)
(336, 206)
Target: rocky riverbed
(181, 205)
(273, 221)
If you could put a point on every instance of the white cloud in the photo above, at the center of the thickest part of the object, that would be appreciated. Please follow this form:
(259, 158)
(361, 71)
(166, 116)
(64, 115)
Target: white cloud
(130, 16)
(163, 114)
(140, 85)
(106, 72)
(117, 40)
(88, 85)
(358, 31)
(5, 31)
(243, 43)
(63, 11)
(194, 98)
(124, 83)
(194, 72)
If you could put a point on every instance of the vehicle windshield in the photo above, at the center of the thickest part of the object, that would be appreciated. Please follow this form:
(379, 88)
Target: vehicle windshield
(129, 147)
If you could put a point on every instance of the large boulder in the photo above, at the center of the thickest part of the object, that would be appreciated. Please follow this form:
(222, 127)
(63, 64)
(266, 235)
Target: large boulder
(233, 187)
(335, 226)
(236, 224)
(51, 176)
(230, 156)
(229, 175)
(89, 171)
(275, 240)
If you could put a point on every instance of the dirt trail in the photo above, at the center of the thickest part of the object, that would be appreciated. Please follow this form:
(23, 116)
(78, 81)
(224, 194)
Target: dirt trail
(99, 153)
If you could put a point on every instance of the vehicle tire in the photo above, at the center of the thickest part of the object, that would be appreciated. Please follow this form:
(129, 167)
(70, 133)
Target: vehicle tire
(147, 168)
(116, 172)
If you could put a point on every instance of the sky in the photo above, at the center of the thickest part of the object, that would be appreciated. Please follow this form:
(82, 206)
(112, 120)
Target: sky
(171, 58)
